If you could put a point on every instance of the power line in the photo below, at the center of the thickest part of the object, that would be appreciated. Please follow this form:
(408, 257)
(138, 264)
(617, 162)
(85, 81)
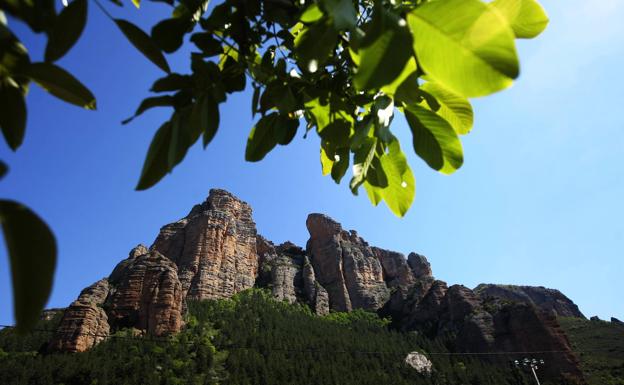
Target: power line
(320, 350)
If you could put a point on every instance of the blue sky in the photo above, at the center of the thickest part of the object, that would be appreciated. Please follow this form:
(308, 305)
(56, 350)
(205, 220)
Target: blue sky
(538, 200)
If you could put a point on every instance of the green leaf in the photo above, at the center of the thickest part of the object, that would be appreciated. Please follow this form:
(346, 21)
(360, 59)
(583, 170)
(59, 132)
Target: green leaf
(180, 137)
(314, 44)
(341, 164)
(169, 34)
(453, 108)
(32, 254)
(435, 141)
(12, 113)
(147, 103)
(205, 117)
(362, 161)
(311, 14)
(399, 194)
(144, 43)
(61, 84)
(326, 163)
(342, 13)
(526, 17)
(156, 163)
(285, 129)
(464, 45)
(262, 138)
(384, 52)
(67, 29)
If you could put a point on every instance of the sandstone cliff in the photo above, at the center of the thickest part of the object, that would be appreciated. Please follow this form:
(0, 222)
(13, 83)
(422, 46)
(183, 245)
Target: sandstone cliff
(215, 252)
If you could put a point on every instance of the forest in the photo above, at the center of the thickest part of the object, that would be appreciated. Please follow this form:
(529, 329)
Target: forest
(251, 339)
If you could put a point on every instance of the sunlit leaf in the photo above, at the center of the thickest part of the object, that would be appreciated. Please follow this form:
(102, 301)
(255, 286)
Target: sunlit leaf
(383, 52)
(32, 254)
(453, 108)
(435, 141)
(68, 27)
(465, 45)
(312, 14)
(526, 17)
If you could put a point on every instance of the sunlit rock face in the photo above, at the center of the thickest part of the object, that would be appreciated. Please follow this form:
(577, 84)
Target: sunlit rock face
(84, 322)
(214, 247)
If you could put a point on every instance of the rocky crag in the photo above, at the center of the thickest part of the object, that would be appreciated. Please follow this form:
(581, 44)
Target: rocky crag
(215, 252)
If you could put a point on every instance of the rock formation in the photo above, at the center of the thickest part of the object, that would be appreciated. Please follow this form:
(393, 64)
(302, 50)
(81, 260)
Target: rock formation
(546, 299)
(214, 247)
(215, 252)
(84, 322)
(345, 265)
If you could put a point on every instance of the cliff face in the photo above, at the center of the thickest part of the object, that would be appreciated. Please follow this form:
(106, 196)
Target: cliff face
(550, 300)
(215, 252)
(214, 247)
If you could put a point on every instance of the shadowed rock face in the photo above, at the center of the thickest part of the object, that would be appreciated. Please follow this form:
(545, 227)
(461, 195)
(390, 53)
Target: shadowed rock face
(345, 265)
(546, 299)
(214, 247)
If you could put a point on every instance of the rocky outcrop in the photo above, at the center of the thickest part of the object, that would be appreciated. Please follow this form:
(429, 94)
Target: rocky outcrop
(286, 270)
(550, 300)
(84, 322)
(215, 252)
(146, 295)
(214, 247)
(345, 265)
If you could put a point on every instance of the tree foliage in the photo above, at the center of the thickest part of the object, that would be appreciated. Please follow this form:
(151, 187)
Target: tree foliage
(341, 68)
(253, 339)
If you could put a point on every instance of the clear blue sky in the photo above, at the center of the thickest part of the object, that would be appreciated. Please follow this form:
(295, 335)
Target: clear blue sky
(538, 200)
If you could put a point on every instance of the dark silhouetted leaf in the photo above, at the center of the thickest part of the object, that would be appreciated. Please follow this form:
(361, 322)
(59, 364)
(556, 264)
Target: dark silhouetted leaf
(156, 163)
(172, 82)
(61, 84)
(169, 34)
(32, 255)
(146, 104)
(205, 118)
(262, 138)
(12, 114)
(144, 43)
(4, 169)
(67, 29)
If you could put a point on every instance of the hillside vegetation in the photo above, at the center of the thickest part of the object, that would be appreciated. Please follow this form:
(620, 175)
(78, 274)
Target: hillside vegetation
(601, 347)
(249, 339)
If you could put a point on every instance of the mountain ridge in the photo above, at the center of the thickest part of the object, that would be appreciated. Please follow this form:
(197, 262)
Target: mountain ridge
(215, 252)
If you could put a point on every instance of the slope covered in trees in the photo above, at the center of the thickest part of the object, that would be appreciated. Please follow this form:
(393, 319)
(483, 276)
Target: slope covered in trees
(249, 339)
(601, 345)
